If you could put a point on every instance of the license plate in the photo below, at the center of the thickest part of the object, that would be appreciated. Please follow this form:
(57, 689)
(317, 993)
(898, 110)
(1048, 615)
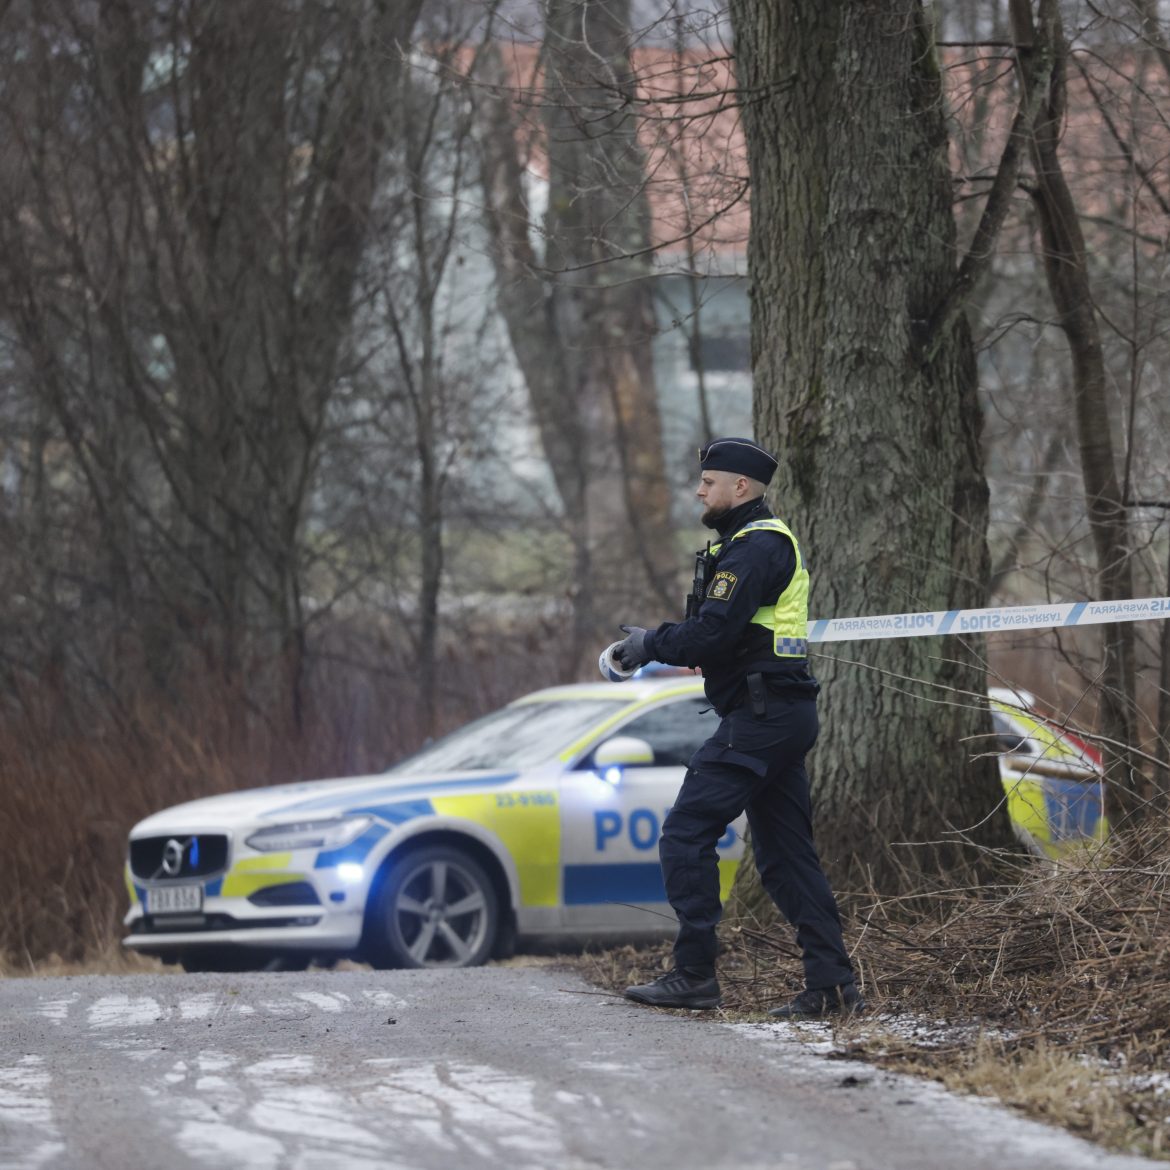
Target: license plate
(174, 900)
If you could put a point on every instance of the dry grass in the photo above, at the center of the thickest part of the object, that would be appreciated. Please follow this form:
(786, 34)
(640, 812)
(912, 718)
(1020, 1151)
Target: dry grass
(113, 959)
(1058, 1086)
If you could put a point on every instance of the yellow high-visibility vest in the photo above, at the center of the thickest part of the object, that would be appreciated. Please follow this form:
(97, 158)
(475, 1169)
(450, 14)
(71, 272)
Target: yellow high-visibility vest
(788, 618)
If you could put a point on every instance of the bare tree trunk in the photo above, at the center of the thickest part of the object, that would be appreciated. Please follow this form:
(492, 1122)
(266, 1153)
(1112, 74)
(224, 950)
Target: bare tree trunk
(852, 249)
(1066, 268)
(1007, 561)
(1162, 747)
(530, 304)
(581, 316)
(431, 557)
(598, 226)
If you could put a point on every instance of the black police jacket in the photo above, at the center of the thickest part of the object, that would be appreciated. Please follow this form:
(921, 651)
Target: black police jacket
(721, 640)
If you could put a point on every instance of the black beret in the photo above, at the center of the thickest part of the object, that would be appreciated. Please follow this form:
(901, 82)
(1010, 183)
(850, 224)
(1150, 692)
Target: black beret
(741, 456)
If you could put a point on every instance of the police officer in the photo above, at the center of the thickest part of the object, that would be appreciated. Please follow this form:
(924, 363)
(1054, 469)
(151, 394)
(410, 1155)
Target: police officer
(749, 638)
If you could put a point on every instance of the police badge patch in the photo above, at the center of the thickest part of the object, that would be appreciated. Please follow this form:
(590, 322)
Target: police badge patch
(721, 586)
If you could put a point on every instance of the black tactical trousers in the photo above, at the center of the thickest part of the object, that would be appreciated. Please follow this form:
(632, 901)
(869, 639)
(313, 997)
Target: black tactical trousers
(753, 763)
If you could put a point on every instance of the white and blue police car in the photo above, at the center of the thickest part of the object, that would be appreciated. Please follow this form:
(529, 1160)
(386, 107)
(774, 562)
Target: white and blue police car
(540, 819)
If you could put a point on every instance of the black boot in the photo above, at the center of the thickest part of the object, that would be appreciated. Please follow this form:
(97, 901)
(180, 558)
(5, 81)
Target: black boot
(678, 989)
(815, 1003)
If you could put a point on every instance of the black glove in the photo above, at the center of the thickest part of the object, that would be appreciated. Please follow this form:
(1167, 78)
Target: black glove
(632, 652)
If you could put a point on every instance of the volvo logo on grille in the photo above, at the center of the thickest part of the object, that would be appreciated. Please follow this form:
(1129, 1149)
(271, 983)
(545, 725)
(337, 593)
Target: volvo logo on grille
(177, 858)
(172, 857)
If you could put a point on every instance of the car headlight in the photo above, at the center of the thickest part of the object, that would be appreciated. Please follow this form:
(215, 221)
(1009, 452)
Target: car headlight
(330, 834)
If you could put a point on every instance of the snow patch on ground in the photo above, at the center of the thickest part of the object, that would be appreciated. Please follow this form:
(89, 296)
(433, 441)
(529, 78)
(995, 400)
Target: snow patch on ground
(31, 1137)
(57, 1010)
(457, 1106)
(806, 1045)
(123, 1011)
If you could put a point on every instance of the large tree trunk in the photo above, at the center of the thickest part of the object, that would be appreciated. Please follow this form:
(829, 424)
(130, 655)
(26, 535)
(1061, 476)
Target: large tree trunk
(529, 305)
(852, 248)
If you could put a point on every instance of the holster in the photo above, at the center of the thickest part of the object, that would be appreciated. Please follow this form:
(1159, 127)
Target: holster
(757, 694)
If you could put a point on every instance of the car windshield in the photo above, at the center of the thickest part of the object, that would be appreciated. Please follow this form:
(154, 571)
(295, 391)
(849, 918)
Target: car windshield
(516, 737)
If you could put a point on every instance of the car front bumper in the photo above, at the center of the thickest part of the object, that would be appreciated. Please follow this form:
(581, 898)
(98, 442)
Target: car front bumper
(269, 902)
(320, 937)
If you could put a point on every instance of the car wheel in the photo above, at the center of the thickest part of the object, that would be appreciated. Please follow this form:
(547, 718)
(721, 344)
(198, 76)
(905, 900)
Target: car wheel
(436, 908)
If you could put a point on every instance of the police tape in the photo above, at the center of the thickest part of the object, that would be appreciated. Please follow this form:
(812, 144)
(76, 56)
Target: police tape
(980, 621)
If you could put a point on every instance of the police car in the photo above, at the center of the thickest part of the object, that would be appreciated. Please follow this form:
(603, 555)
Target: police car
(540, 819)
(1053, 780)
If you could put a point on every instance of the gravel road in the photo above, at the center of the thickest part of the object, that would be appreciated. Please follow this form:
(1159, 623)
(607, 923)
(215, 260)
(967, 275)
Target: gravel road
(522, 1068)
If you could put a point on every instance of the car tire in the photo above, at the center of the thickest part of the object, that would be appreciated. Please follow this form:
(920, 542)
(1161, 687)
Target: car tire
(436, 908)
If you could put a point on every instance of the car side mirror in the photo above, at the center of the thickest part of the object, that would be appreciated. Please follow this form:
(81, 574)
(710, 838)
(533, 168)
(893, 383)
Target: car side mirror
(623, 751)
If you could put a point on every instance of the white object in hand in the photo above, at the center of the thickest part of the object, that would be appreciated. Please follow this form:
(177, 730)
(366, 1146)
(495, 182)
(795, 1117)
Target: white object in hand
(610, 667)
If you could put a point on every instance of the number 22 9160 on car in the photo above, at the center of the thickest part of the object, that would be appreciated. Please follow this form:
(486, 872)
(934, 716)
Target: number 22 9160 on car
(539, 819)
